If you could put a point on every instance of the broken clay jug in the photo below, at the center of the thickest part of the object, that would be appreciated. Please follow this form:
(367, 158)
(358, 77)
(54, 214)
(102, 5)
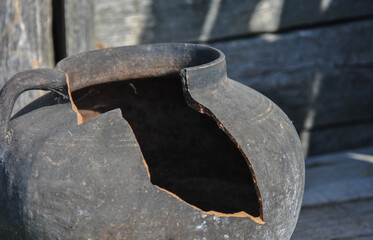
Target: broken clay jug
(146, 142)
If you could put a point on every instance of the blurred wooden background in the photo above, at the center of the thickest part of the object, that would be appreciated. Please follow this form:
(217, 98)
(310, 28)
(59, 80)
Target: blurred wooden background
(313, 58)
(25, 40)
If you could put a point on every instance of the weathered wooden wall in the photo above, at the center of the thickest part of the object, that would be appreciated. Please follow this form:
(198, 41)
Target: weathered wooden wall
(118, 23)
(79, 26)
(25, 40)
(338, 197)
(322, 78)
(314, 59)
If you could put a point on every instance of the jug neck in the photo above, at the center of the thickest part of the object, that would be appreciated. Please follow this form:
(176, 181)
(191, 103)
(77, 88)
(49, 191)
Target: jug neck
(201, 65)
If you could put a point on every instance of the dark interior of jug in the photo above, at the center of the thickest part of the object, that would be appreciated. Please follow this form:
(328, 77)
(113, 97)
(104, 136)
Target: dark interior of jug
(186, 152)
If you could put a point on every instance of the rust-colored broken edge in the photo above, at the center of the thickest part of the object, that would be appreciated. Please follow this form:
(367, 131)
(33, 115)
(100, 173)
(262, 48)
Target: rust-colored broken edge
(203, 110)
(74, 107)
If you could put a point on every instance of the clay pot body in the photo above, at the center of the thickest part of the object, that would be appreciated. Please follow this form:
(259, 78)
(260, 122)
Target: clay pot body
(152, 142)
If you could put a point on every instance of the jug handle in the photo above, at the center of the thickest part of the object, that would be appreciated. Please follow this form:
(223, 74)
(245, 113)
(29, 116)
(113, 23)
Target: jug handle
(37, 79)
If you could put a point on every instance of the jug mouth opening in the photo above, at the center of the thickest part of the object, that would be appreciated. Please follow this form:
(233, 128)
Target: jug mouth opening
(142, 61)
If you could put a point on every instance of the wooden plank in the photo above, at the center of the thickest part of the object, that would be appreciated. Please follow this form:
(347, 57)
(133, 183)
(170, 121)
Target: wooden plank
(131, 21)
(25, 40)
(338, 197)
(334, 139)
(340, 177)
(79, 26)
(135, 22)
(319, 77)
(352, 220)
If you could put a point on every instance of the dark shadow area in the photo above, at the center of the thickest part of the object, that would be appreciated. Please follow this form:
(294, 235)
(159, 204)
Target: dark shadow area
(46, 100)
(318, 13)
(58, 30)
(186, 152)
(10, 211)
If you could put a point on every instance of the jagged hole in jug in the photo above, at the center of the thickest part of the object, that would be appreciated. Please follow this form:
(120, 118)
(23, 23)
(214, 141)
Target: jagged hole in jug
(186, 152)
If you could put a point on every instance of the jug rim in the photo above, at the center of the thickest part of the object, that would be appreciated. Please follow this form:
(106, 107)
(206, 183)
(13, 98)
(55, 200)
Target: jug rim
(145, 61)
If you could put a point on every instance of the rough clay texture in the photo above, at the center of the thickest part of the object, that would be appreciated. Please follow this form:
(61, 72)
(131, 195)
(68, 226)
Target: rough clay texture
(89, 181)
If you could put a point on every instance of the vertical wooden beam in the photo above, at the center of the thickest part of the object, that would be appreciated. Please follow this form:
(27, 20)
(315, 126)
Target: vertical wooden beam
(25, 40)
(79, 20)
